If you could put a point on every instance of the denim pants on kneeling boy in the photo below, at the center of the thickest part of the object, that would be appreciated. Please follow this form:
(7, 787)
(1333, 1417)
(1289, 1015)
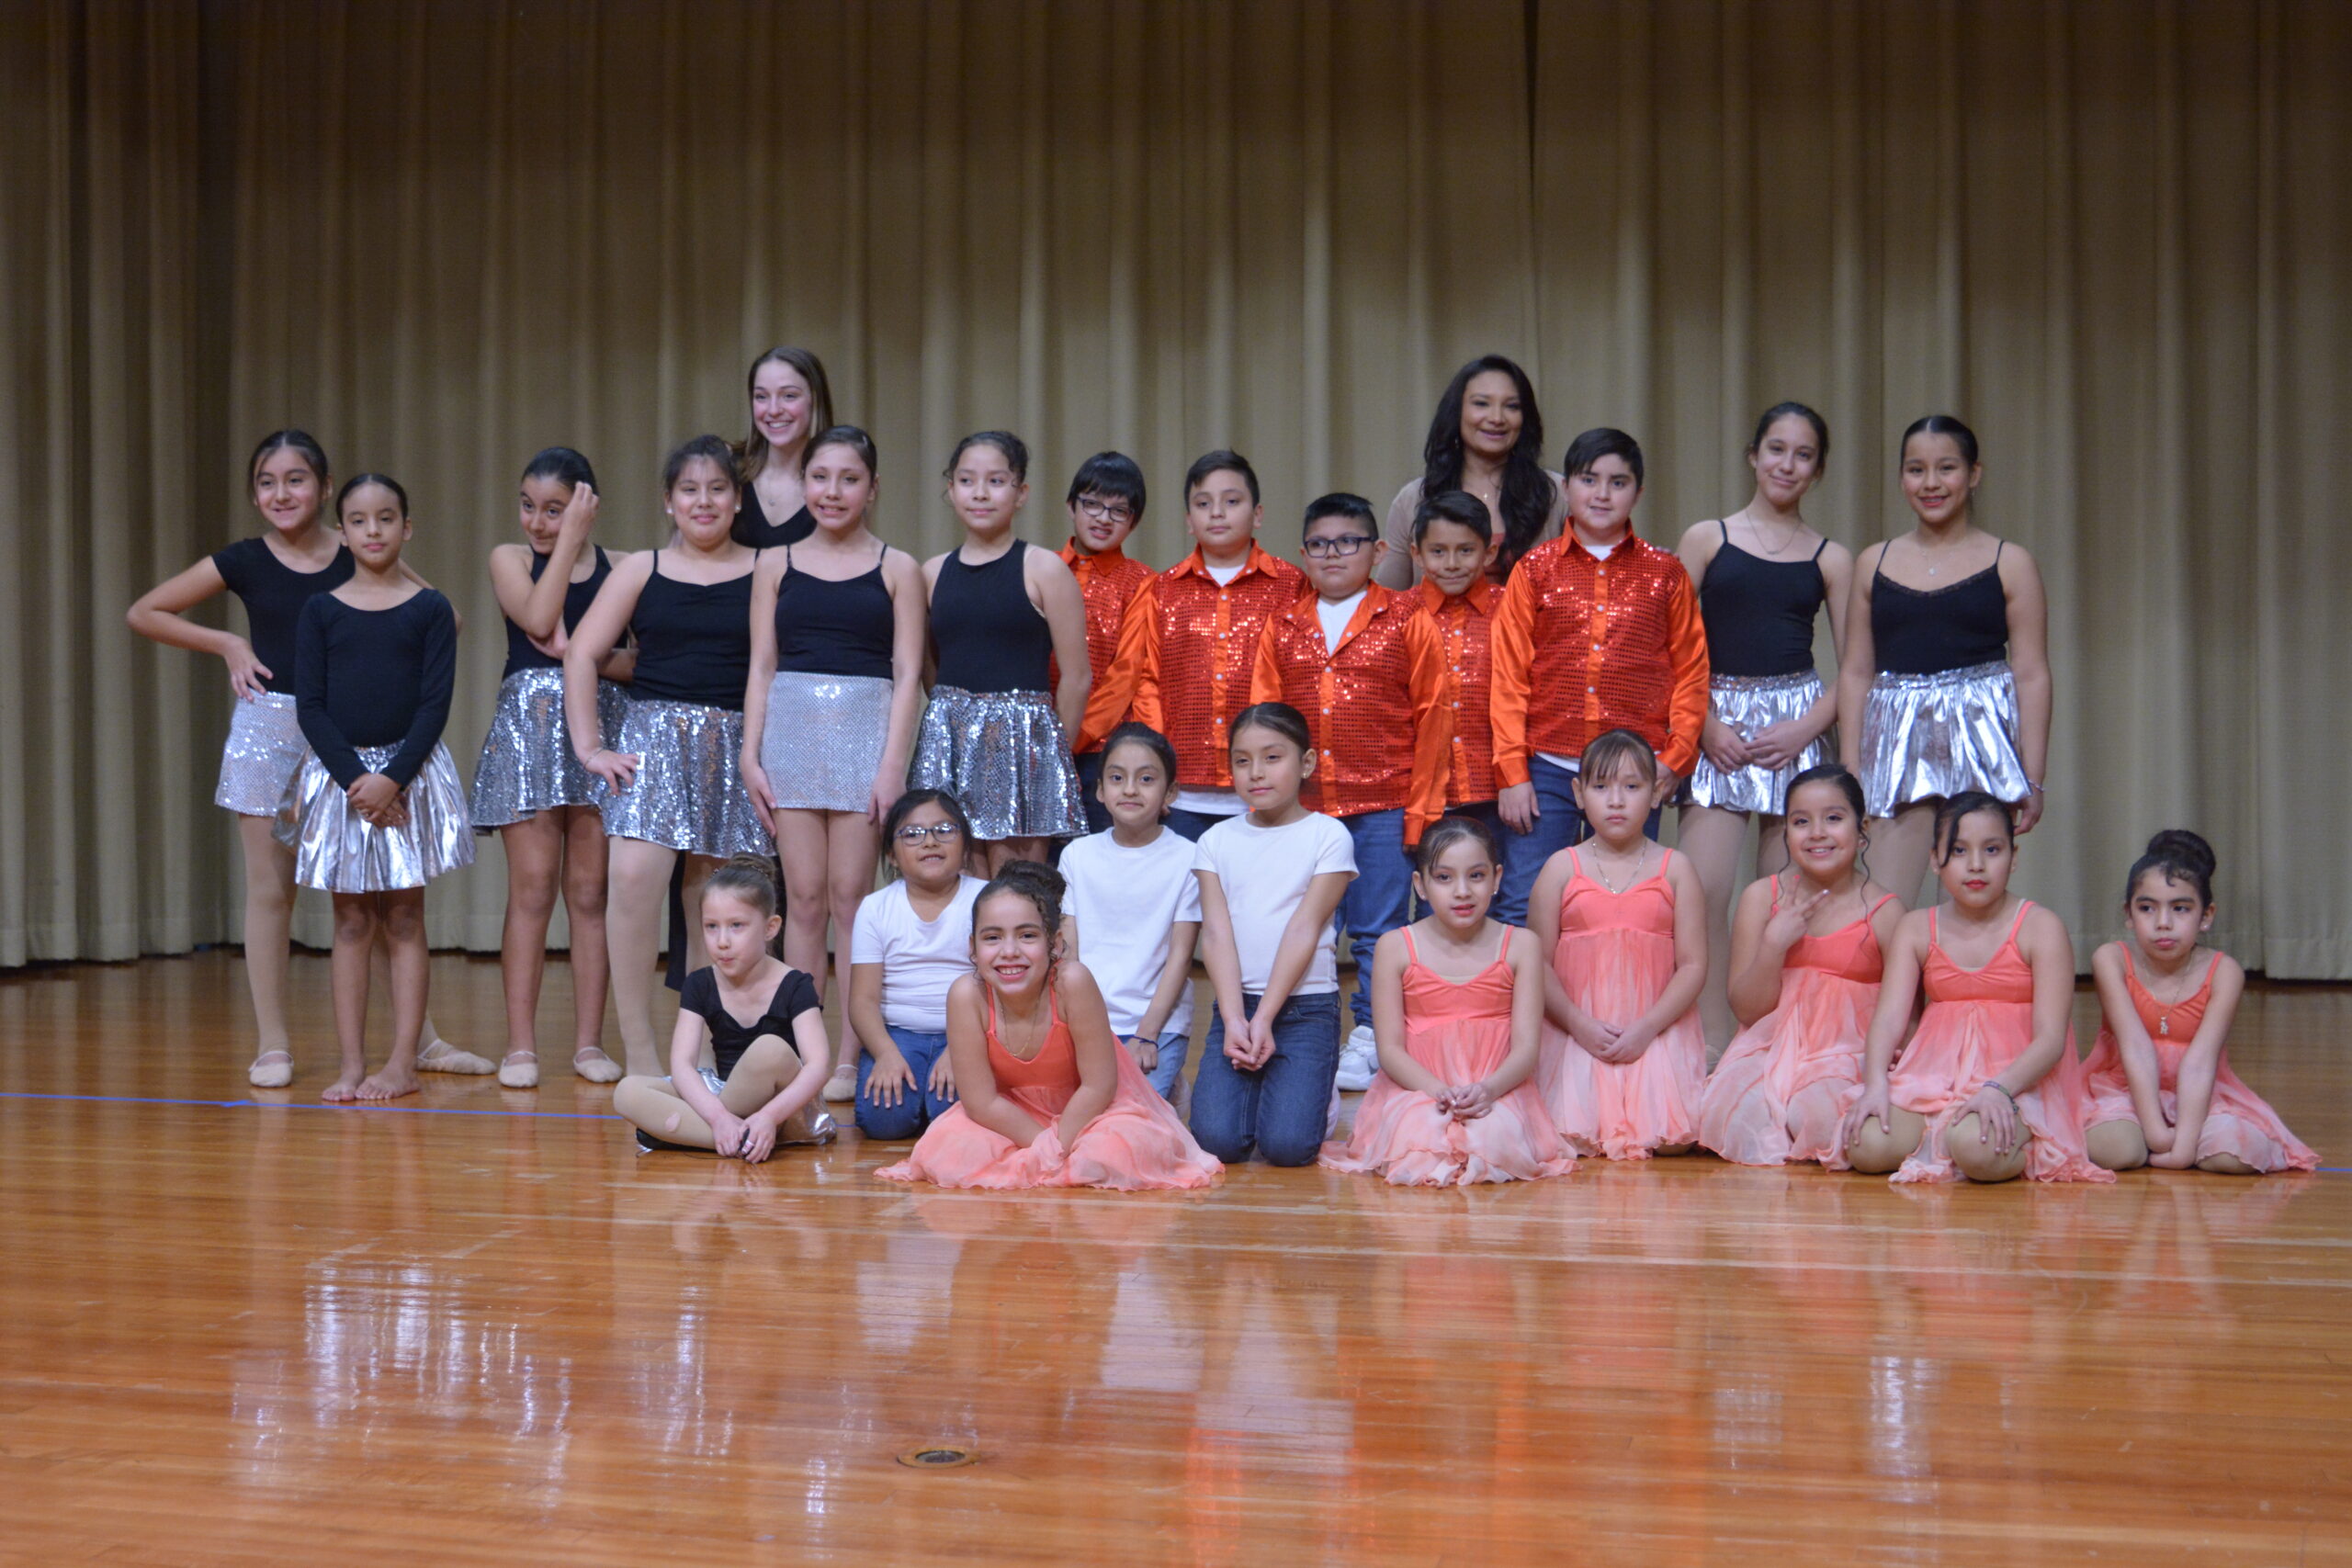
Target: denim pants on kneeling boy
(1282, 1109)
(916, 1107)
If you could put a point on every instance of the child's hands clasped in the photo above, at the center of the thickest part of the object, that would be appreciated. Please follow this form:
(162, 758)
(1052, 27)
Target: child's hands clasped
(378, 800)
(1467, 1101)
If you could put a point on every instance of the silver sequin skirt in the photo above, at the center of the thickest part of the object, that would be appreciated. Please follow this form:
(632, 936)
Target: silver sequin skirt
(526, 764)
(1926, 737)
(823, 739)
(1750, 704)
(265, 751)
(688, 793)
(1002, 754)
(337, 851)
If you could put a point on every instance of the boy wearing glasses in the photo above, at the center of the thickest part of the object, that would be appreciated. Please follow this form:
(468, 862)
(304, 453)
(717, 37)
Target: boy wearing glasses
(1105, 502)
(1367, 668)
(1191, 634)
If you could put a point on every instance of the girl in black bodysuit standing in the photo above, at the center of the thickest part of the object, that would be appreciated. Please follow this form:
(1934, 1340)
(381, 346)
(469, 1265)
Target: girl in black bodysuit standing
(1943, 684)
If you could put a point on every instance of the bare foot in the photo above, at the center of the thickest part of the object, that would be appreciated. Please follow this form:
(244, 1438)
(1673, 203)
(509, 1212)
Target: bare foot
(388, 1084)
(271, 1069)
(591, 1063)
(344, 1091)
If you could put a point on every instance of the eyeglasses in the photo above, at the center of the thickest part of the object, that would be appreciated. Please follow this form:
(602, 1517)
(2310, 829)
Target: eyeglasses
(1337, 544)
(1105, 510)
(932, 832)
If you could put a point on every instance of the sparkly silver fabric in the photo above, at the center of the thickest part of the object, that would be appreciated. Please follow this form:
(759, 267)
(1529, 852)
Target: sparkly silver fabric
(526, 765)
(265, 751)
(1750, 704)
(337, 851)
(1002, 754)
(688, 793)
(822, 742)
(1924, 737)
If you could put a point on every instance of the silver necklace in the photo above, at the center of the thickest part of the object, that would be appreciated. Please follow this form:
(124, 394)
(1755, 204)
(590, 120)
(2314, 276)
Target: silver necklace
(1640, 856)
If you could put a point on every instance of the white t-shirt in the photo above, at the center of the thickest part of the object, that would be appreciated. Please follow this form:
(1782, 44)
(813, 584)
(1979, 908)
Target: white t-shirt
(1335, 615)
(919, 960)
(1264, 873)
(1124, 900)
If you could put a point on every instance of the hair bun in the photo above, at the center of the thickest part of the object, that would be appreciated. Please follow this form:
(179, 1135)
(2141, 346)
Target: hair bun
(2183, 848)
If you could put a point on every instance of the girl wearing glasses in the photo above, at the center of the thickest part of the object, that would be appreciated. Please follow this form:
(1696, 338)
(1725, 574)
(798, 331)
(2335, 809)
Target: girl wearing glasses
(911, 942)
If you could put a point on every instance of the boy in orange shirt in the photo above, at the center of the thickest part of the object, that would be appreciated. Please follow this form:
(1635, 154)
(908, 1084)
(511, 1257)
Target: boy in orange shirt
(1453, 541)
(1189, 642)
(1106, 501)
(1366, 667)
(1599, 631)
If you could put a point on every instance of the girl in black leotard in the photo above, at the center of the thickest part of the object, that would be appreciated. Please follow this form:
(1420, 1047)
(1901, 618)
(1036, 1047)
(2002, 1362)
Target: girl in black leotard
(791, 401)
(829, 714)
(1944, 681)
(1000, 613)
(1764, 577)
(529, 787)
(298, 555)
(673, 785)
(376, 810)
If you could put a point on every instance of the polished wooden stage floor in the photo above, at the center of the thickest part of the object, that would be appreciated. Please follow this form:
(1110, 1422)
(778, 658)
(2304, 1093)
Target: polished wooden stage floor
(479, 1327)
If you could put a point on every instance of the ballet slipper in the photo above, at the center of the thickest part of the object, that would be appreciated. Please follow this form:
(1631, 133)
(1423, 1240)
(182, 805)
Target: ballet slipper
(520, 1070)
(266, 1074)
(591, 1063)
(842, 1085)
(442, 1057)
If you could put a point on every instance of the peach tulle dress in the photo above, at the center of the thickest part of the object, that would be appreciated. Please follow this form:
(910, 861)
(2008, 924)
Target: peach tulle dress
(1809, 1047)
(1615, 958)
(1461, 1031)
(2238, 1121)
(1136, 1144)
(1976, 1022)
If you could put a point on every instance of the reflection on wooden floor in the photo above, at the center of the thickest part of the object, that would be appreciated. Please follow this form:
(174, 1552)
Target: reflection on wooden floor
(309, 1335)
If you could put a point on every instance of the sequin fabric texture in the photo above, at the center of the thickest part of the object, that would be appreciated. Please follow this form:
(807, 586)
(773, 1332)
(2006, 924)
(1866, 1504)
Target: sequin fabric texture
(263, 752)
(1465, 627)
(1187, 652)
(1370, 706)
(526, 764)
(688, 793)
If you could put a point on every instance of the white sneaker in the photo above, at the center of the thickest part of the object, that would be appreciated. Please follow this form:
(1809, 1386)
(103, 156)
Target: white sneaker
(1359, 1059)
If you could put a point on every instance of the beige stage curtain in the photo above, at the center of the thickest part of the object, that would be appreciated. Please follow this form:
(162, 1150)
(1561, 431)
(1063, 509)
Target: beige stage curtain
(443, 235)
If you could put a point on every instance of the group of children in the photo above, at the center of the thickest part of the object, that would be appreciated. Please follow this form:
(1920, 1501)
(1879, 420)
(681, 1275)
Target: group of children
(1267, 757)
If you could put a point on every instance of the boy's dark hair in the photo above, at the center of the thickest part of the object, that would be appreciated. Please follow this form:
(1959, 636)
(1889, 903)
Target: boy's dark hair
(1339, 503)
(1114, 476)
(1594, 445)
(1452, 506)
(1208, 463)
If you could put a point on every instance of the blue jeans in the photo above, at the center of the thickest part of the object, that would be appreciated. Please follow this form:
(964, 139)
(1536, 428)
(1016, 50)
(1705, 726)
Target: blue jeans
(1192, 824)
(1379, 899)
(916, 1107)
(1282, 1109)
(1559, 826)
(1090, 791)
(1174, 1046)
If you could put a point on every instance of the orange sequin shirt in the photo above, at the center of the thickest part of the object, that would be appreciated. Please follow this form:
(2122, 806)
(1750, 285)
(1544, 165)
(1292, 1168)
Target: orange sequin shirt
(1110, 580)
(1186, 651)
(1466, 637)
(1371, 706)
(1584, 645)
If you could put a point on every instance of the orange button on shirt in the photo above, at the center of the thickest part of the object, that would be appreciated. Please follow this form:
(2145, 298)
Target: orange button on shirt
(1373, 706)
(1585, 644)
(1109, 580)
(1186, 650)
(1465, 625)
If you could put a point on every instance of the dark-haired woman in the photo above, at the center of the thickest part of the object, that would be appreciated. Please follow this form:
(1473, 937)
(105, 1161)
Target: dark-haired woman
(273, 574)
(791, 401)
(1943, 683)
(1486, 438)
(673, 785)
(529, 787)
(1764, 576)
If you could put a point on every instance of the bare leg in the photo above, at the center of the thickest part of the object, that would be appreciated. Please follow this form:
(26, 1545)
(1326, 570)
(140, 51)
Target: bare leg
(1899, 849)
(269, 908)
(401, 919)
(639, 888)
(354, 940)
(852, 844)
(534, 860)
(766, 1065)
(1977, 1158)
(1711, 839)
(1004, 851)
(2116, 1146)
(1877, 1149)
(585, 852)
(698, 872)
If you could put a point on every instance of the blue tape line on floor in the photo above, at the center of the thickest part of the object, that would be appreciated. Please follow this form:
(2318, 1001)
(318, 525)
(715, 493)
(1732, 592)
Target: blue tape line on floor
(304, 1105)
